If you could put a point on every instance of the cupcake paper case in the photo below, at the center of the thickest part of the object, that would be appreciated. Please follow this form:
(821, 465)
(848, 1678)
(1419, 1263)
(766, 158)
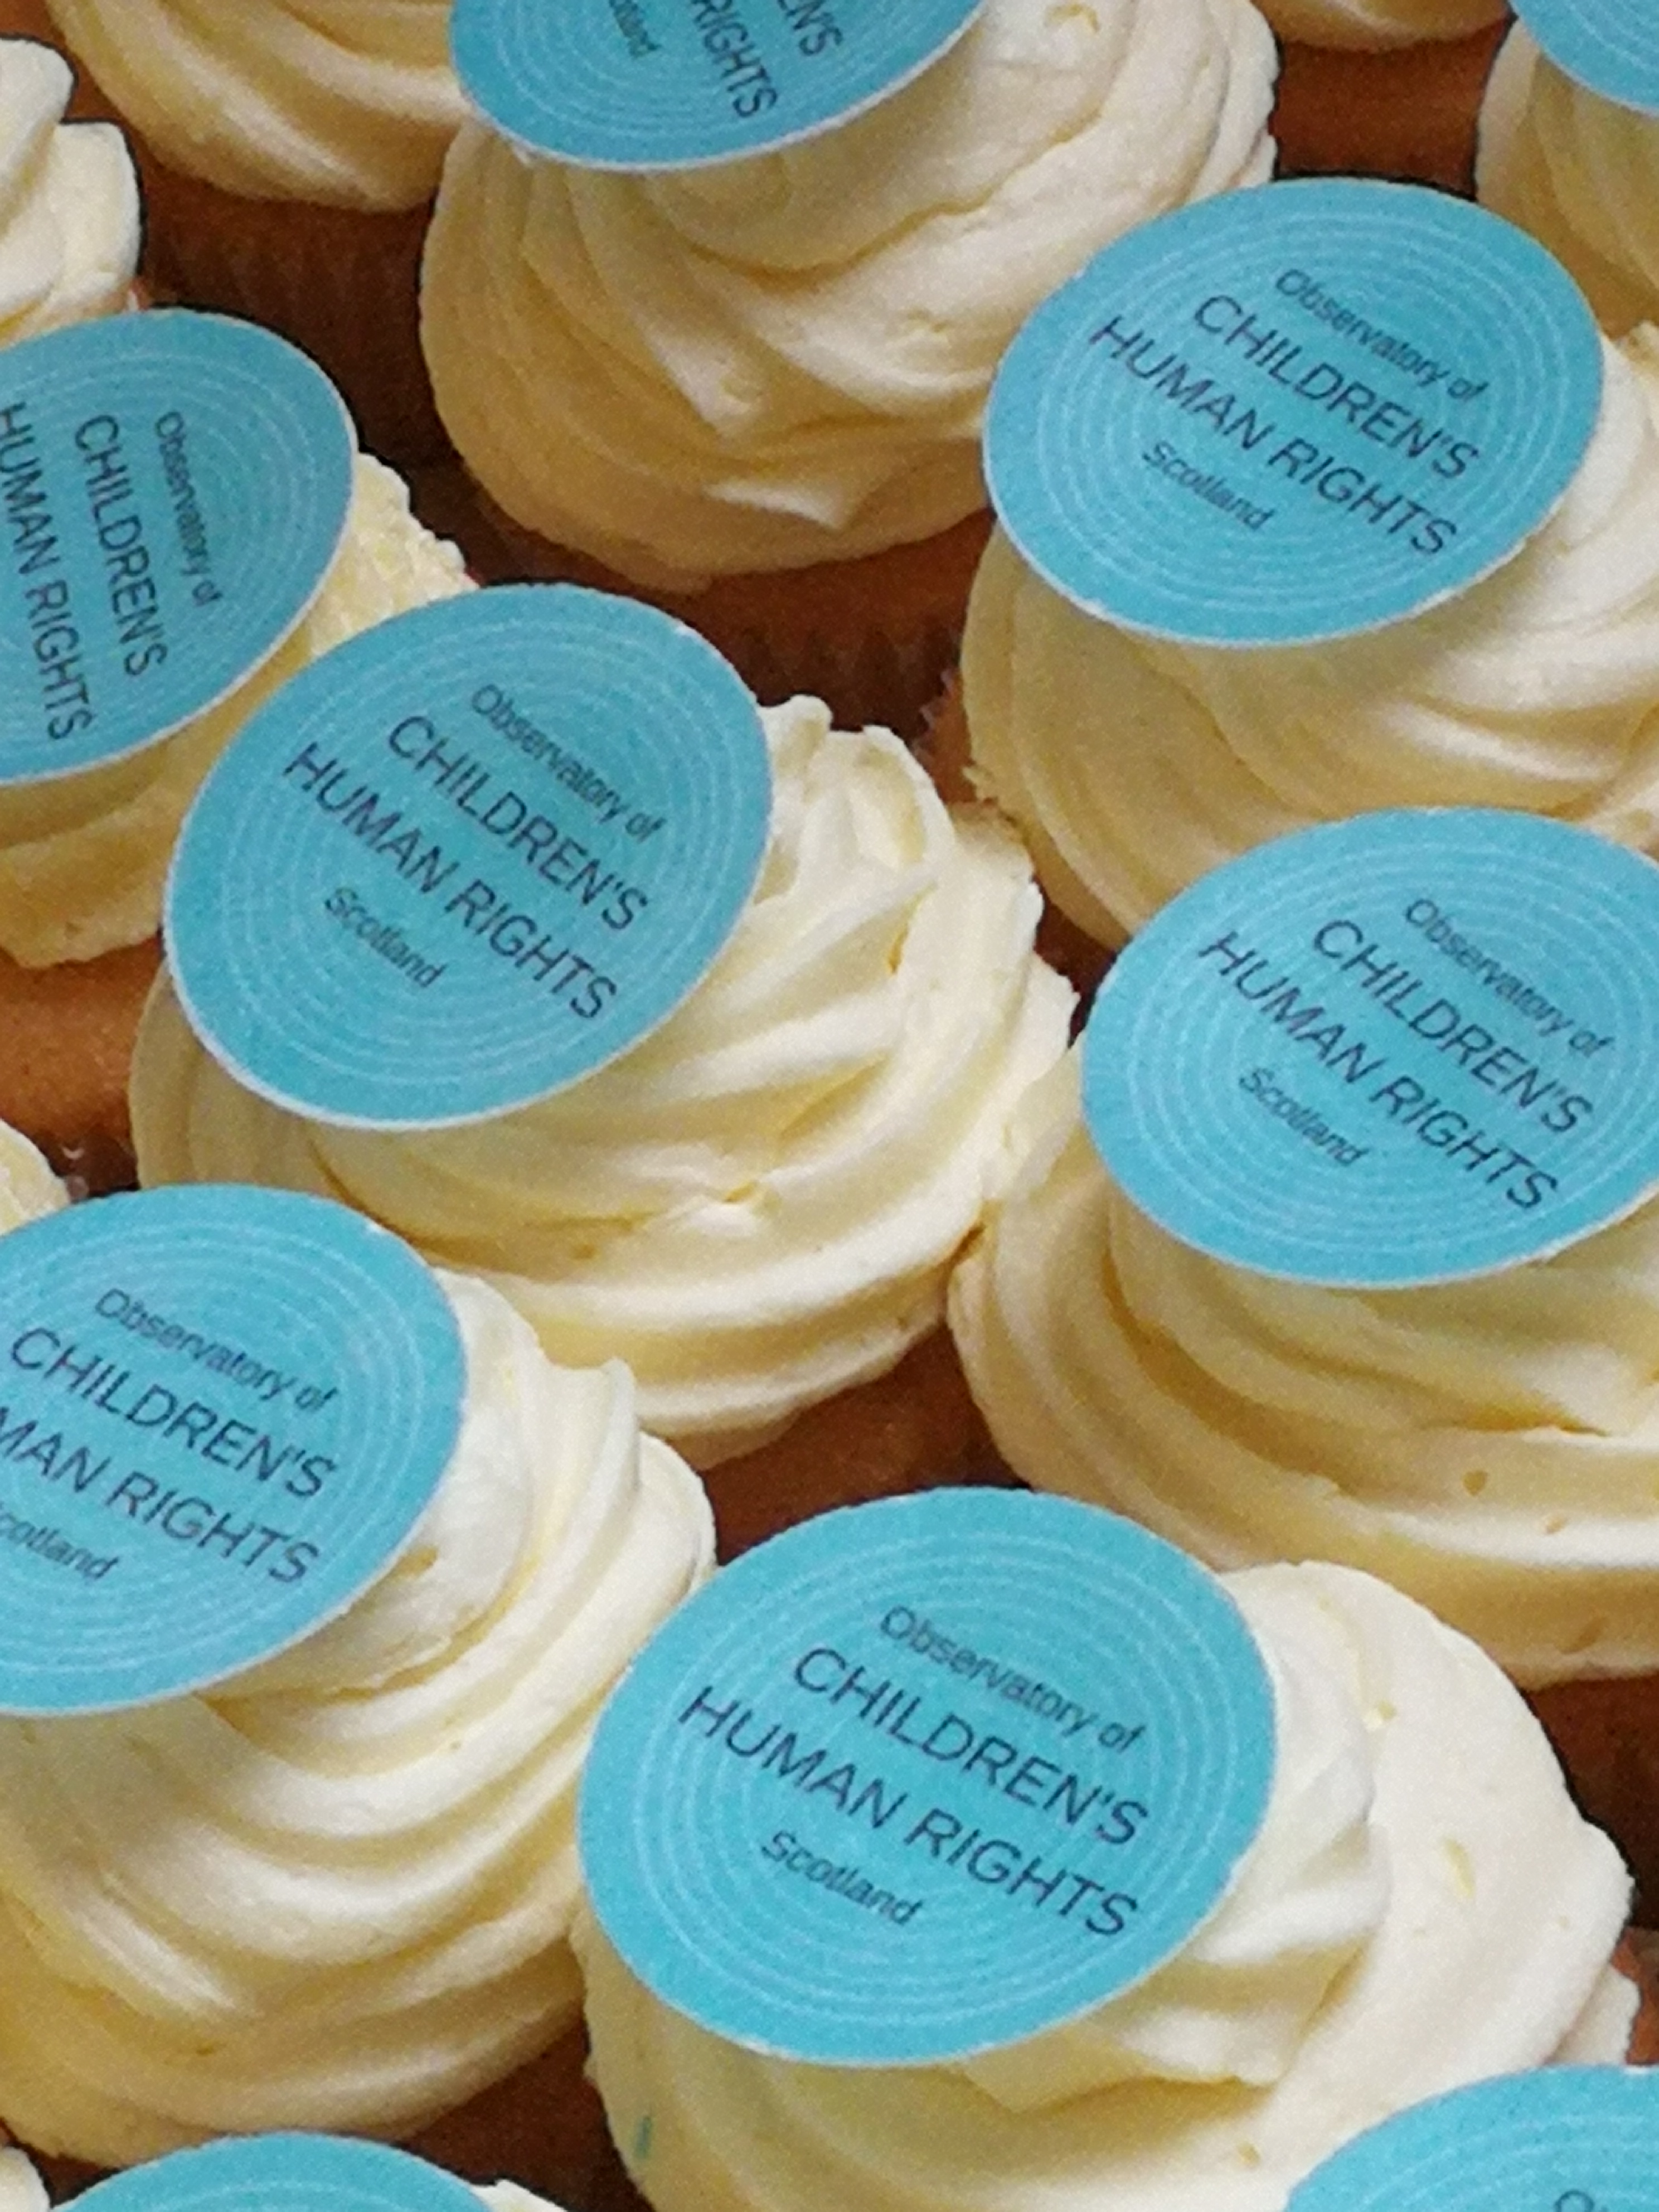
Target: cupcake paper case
(1423, 1907)
(290, 150)
(758, 1206)
(335, 1892)
(779, 363)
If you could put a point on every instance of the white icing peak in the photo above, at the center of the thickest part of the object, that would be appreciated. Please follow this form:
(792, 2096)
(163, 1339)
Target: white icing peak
(68, 203)
(1423, 1908)
(334, 1892)
(28, 1188)
(757, 1207)
(1537, 689)
(786, 359)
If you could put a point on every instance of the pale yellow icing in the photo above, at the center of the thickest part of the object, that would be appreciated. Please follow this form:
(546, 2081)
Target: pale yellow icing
(343, 103)
(1134, 766)
(69, 202)
(1379, 24)
(334, 1893)
(83, 858)
(1439, 1860)
(21, 2189)
(756, 1207)
(786, 359)
(1492, 1446)
(1578, 172)
(28, 1187)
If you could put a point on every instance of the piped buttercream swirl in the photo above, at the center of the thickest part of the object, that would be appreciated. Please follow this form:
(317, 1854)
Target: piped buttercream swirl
(757, 1207)
(1492, 1446)
(1134, 765)
(786, 359)
(28, 1187)
(343, 103)
(335, 1892)
(83, 858)
(1423, 1907)
(68, 203)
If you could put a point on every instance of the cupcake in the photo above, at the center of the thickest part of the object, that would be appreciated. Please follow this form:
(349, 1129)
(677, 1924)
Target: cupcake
(1421, 1907)
(335, 1892)
(289, 152)
(83, 855)
(754, 391)
(68, 203)
(1134, 764)
(1576, 169)
(757, 1207)
(1382, 88)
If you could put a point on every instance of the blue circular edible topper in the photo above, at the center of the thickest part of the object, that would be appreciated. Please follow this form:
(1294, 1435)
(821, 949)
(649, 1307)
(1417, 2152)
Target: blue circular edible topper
(679, 84)
(222, 1412)
(283, 2173)
(1401, 1049)
(469, 857)
(174, 489)
(1566, 2139)
(1293, 414)
(1610, 46)
(925, 1778)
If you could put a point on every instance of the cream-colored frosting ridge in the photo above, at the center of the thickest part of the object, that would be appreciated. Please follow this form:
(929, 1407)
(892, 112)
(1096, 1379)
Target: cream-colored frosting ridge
(68, 203)
(1133, 765)
(785, 360)
(83, 858)
(757, 1207)
(1580, 173)
(1490, 1446)
(1423, 1907)
(1379, 24)
(28, 1187)
(342, 103)
(335, 1892)
(20, 2187)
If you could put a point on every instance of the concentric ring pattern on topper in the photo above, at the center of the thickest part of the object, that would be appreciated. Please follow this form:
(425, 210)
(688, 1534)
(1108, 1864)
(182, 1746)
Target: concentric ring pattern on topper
(1567, 2139)
(284, 2173)
(469, 857)
(927, 1777)
(1611, 46)
(222, 1412)
(1401, 1049)
(679, 84)
(176, 487)
(1293, 414)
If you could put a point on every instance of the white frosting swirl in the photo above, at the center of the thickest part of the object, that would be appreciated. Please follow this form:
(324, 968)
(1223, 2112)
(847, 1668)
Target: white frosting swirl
(334, 1893)
(28, 1187)
(20, 2187)
(1379, 24)
(1419, 1832)
(1134, 766)
(69, 202)
(757, 1207)
(786, 359)
(83, 858)
(1490, 1446)
(342, 103)
(1578, 172)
